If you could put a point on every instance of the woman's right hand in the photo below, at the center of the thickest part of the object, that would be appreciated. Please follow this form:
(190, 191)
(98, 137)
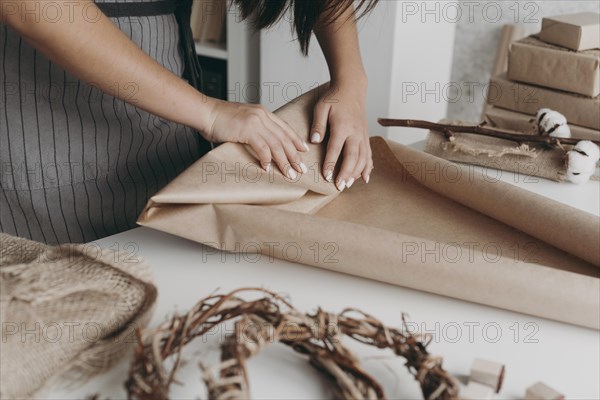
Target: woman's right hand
(271, 138)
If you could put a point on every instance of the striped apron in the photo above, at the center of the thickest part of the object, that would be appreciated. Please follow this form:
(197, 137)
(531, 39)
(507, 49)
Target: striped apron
(77, 164)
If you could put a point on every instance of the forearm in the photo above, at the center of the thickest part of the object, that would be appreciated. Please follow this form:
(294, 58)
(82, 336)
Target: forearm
(98, 53)
(345, 118)
(339, 42)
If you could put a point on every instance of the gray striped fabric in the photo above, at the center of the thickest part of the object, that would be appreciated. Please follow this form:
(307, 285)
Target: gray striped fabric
(77, 164)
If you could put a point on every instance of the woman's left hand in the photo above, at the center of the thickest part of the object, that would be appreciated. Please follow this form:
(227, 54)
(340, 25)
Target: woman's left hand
(342, 109)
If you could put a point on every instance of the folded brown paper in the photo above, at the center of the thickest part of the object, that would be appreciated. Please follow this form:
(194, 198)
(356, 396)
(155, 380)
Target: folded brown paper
(515, 121)
(533, 61)
(577, 32)
(422, 222)
(528, 99)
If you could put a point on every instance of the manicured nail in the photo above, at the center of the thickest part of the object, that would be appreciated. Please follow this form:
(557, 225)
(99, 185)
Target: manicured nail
(367, 178)
(268, 168)
(341, 185)
(350, 182)
(315, 138)
(329, 176)
(306, 146)
(292, 174)
(303, 168)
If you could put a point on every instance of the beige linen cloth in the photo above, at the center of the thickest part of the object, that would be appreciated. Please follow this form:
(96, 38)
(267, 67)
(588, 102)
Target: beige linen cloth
(422, 222)
(499, 154)
(67, 312)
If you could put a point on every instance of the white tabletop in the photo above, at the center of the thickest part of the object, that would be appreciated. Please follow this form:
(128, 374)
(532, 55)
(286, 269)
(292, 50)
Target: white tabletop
(565, 357)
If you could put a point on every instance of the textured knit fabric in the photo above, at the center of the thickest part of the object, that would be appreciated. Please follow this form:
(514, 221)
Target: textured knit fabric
(77, 164)
(67, 312)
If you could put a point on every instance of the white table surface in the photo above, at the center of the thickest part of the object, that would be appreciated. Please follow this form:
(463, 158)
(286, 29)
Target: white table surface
(564, 356)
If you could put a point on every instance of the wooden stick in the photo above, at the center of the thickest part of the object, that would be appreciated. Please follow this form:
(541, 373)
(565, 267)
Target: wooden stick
(481, 129)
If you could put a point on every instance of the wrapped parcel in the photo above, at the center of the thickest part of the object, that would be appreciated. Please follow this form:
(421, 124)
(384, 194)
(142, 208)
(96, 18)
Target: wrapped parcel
(533, 61)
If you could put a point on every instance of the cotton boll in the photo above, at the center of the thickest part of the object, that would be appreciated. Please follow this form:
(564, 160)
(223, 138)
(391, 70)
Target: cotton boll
(579, 179)
(541, 113)
(550, 118)
(588, 148)
(553, 123)
(578, 162)
(580, 167)
(562, 131)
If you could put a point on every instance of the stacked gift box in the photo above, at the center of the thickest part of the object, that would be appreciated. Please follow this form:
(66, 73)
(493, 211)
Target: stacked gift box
(559, 68)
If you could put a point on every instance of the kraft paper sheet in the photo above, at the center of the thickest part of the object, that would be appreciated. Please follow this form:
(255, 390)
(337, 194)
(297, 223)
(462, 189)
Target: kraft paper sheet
(422, 222)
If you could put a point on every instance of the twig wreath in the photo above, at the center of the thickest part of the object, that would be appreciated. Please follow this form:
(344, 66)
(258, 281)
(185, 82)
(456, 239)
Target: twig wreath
(270, 319)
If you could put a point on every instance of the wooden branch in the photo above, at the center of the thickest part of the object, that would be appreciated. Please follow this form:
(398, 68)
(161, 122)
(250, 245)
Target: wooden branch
(481, 129)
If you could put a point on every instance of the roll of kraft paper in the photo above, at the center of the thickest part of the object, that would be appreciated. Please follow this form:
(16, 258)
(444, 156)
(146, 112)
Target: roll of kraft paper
(422, 222)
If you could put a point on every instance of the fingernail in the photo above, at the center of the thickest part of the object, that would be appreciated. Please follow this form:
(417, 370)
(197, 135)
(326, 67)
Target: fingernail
(303, 168)
(268, 168)
(350, 182)
(329, 176)
(341, 185)
(367, 178)
(306, 146)
(315, 138)
(292, 174)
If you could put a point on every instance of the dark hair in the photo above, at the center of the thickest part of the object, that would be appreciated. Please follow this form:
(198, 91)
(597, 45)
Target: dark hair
(307, 14)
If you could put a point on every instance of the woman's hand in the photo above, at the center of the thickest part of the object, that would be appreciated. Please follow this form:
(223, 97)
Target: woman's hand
(271, 138)
(342, 108)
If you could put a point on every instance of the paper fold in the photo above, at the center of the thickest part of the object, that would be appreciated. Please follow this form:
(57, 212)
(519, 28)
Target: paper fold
(422, 222)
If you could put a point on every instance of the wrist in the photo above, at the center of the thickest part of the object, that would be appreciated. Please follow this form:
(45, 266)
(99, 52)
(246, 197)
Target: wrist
(204, 115)
(355, 77)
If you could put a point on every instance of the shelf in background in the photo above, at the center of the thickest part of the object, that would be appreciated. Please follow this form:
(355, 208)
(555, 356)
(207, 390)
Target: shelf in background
(211, 50)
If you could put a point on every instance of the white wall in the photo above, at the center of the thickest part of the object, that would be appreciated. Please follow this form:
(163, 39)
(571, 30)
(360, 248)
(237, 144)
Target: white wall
(284, 72)
(393, 52)
(376, 37)
(422, 64)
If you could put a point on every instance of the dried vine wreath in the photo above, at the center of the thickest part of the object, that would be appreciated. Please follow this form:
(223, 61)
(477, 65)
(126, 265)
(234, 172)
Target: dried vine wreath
(269, 319)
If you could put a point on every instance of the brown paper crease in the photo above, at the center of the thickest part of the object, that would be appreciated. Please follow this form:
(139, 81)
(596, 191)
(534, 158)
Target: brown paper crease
(422, 222)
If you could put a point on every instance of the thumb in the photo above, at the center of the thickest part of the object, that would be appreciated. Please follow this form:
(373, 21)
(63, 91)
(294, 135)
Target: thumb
(319, 125)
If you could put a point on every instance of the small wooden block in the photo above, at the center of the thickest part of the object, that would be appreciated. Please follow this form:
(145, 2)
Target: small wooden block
(476, 391)
(541, 391)
(488, 373)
